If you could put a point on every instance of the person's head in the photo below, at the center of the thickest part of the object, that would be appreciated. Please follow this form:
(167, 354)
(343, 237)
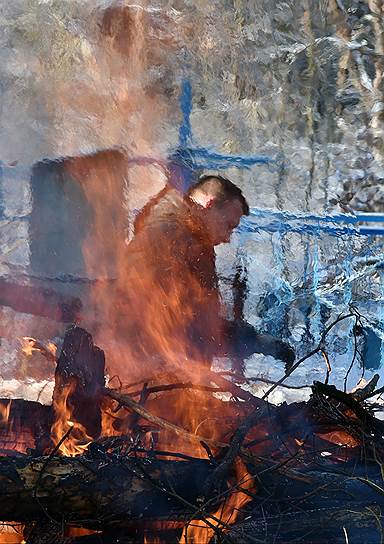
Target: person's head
(221, 205)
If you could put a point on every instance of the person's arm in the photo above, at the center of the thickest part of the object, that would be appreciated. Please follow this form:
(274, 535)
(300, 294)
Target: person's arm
(240, 339)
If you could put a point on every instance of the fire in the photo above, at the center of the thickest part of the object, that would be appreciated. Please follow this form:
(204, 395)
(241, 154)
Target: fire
(152, 540)
(29, 345)
(11, 533)
(200, 414)
(52, 348)
(340, 437)
(69, 436)
(108, 419)
(160, 350)
(79, 531)
(200, 531)
(5, 408)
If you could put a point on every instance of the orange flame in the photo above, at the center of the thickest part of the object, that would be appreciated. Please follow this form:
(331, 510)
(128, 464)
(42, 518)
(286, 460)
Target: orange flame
(11, 533)
(79, 531)
(5, 408)
(52, 348)
(200, 532)
(77, 440)
(30, 345)
(145, 324)
(108, 419)
(152, 539)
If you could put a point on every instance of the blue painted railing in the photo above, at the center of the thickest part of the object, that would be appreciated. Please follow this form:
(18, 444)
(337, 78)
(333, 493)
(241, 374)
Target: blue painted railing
(334, 225)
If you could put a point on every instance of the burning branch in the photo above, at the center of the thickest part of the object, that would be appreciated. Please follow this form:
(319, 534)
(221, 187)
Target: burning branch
(125, 400)
(107, 485)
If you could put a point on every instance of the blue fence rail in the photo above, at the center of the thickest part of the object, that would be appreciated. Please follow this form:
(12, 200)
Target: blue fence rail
(306, 223)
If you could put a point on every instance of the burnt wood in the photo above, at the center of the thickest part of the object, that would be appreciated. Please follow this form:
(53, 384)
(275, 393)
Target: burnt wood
(362, 523)
(116, 488)
(99, 492)
(103, 490)
(46, 531)
(81, 365)
(24, 426)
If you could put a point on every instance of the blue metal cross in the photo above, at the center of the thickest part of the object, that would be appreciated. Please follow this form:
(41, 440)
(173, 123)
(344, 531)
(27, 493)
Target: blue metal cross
(186, 159)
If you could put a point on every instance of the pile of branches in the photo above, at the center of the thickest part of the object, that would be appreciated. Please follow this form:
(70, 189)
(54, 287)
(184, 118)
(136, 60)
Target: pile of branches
(305, 472)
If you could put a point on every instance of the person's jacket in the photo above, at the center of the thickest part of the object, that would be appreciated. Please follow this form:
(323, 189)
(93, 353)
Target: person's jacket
(169, 310)
(172, 310)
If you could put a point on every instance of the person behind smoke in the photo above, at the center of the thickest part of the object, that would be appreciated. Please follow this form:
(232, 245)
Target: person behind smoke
(171, 306)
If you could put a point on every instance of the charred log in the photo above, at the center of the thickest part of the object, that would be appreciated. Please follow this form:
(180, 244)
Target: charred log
(340, 402)
(116, 494)
(80, 370)
(97, 492)
(46, 531)
(357, 523)
(24, 426)
(119, 484)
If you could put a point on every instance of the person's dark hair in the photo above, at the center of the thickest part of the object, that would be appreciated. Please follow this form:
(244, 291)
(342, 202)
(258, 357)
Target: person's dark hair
(222, 189)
